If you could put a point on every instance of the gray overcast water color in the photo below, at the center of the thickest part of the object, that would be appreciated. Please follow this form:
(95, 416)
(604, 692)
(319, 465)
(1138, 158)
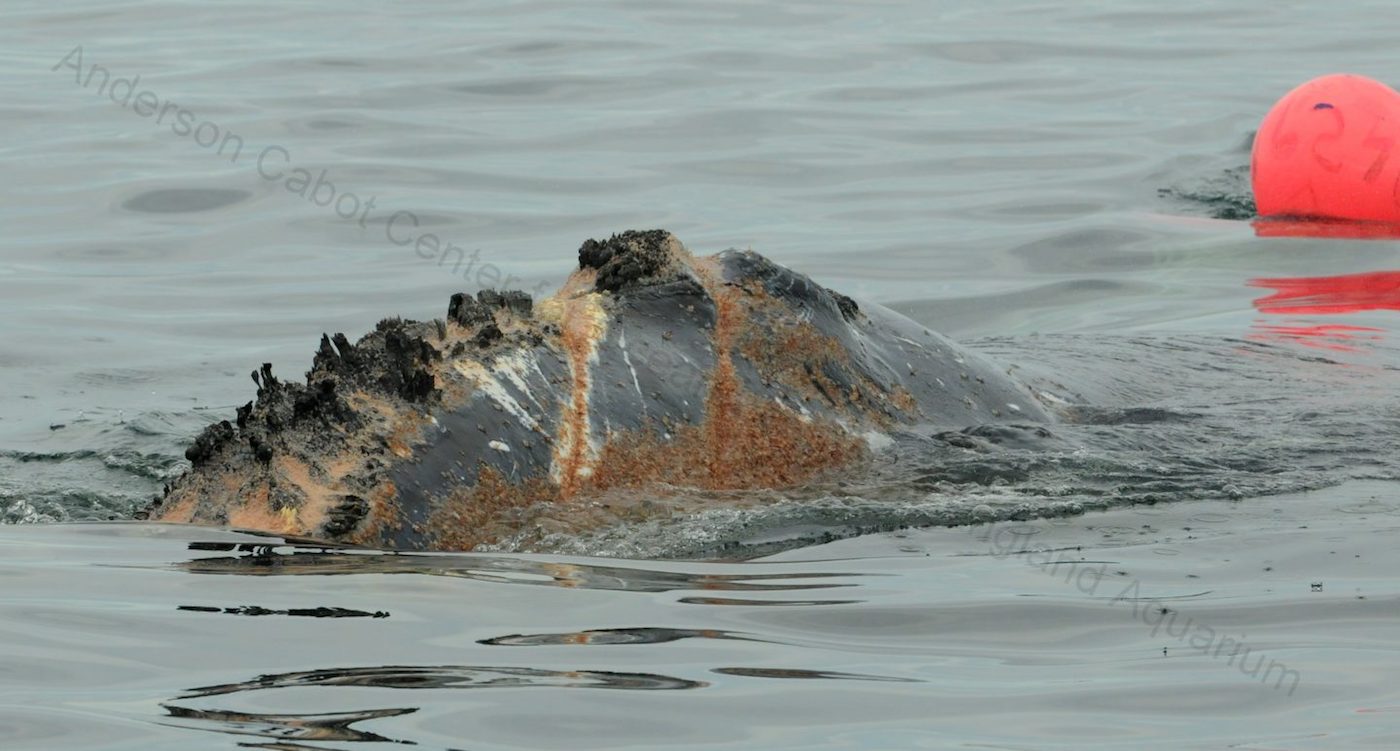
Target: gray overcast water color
(1039, 180)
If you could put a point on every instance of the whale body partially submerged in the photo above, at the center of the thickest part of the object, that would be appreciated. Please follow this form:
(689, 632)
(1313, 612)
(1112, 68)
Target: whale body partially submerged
(649, 368)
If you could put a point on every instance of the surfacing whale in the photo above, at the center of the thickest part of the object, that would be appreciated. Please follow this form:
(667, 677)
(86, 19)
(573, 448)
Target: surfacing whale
(650, 368)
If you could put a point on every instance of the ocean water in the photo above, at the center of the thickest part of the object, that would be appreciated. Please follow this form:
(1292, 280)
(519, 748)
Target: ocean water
(194, 189)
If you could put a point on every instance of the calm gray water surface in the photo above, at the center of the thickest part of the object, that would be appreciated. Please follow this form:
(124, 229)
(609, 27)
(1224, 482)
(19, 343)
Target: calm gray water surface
(1039, 178)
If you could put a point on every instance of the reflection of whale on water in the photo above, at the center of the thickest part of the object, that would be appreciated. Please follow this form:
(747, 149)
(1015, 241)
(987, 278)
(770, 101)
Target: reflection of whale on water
(1327, 295)
(650, 367)
(289, 730)
(299, 559)
(450, 676)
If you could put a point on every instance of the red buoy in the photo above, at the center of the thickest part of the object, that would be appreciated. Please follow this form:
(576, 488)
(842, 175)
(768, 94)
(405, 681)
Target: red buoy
(1324, 152)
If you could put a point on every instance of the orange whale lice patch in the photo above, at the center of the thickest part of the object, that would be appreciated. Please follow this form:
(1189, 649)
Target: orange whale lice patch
(257, 512)
(1327, 150)
(792, 352)
(384, 514)
(318, 487)
(486, 511)
(756, 444)
(180, 511)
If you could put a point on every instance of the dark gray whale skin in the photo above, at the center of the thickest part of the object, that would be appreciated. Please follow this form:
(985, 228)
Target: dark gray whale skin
(649, 367)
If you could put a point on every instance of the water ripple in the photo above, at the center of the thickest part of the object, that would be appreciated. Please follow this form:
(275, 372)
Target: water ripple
(185, 200)
(450, 677)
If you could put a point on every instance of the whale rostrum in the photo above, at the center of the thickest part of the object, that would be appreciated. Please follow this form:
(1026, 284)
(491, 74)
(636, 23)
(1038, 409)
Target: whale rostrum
(651, 368)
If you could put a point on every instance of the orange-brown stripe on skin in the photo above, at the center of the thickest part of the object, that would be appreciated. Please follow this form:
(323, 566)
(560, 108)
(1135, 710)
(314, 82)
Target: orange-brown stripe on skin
(722, 402)
(574, 426)
(582, 324)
